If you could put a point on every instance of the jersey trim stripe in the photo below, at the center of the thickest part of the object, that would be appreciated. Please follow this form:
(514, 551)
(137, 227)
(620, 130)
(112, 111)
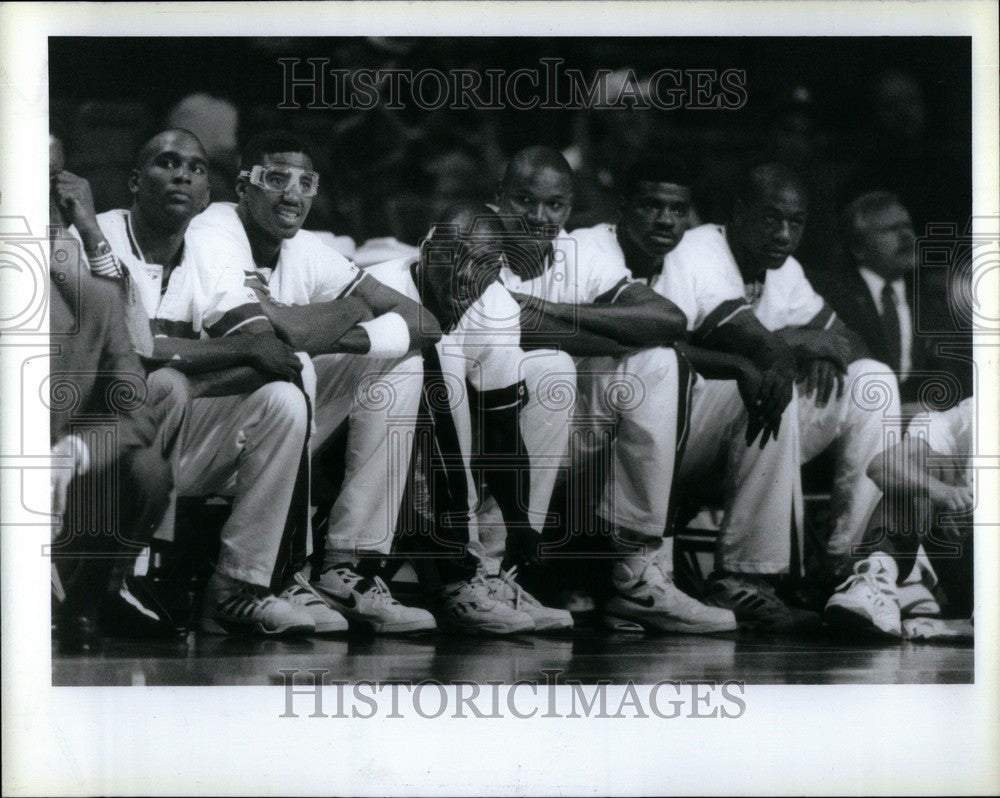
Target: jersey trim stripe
(723, 314)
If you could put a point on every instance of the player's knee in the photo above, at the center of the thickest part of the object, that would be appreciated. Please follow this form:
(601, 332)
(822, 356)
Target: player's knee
(654, 365)
(871, 386)
(284, 402)
(169, 387)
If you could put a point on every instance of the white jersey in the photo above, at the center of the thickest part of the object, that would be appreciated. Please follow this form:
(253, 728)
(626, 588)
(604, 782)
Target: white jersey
(485, 344)
(582, 269)
(307, 270)
(198, 299)
(701, 277)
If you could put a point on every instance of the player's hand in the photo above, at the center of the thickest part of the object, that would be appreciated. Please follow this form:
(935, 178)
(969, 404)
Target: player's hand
(812, 345)
(767, 407)
(823, 376)
(75, 201)
(952, 498)
(272, 356)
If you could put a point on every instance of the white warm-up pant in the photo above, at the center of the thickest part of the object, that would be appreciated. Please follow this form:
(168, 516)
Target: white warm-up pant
(863, 422)
(381, 399)
(247, 447)
(761, 487)
(638, 403)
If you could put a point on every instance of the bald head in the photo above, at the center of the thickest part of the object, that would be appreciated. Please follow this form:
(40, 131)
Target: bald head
(466, 220)
(532, 160)
(171, 139)
(536, 193)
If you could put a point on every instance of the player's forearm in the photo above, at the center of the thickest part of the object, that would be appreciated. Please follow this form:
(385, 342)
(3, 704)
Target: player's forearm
(714, 365)
(547, 332)
(316, 329)
(231, 381)
(632, 326)
(192, 357)
(901, 467)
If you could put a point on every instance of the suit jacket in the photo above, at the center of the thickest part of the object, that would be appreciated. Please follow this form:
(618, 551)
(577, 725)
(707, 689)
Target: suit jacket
(96, 377)
(846, 292)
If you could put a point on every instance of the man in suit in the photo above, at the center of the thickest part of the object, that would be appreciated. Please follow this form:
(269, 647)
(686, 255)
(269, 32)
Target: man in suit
(874, 291)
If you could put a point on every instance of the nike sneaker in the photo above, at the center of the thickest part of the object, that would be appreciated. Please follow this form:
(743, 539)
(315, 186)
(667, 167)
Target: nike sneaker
(367, 600)
(644, 595)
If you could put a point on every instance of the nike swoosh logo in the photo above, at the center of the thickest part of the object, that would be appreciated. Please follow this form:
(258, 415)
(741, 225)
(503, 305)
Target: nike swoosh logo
(350, 602)
(642, 602)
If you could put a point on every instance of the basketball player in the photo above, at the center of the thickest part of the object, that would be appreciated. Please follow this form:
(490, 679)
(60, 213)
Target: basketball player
(718, 270)
(928, 483)
(479, 366)
(744, 396)
(246, 445)
(360, 335)
(632, 384)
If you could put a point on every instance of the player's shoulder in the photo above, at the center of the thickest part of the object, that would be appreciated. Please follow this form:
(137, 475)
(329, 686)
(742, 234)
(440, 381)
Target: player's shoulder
(600, 235)
(703, 238)
(791, 272)
(217, 216)
(701, 252)
(394, 273)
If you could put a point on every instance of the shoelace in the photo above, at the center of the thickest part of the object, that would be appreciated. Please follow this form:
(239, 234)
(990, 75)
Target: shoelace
(874, 580)
(379, 591)
(521, 595)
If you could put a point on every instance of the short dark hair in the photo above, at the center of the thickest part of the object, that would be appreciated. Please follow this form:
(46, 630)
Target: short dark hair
(656, 169)
(757, 175)
(269, 142)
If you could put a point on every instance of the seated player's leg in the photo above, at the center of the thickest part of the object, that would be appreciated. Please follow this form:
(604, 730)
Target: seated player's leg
(550, 378)
(762, 497)
(648, 395)
(381, 399)
(248, 447)
(100, 596)
(859, 425)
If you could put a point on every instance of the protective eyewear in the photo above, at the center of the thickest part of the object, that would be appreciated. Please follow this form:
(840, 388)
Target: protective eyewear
(281, 178)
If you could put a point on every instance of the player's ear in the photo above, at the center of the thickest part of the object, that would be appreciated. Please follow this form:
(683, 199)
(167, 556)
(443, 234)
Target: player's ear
(133, 181)
(241, 186)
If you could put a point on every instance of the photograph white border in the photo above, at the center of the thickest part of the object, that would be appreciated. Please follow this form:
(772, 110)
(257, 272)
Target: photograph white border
(927, 739)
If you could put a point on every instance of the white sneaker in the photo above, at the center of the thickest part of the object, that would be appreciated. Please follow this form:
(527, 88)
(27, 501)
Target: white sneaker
(231, 606)
(303, 595)
(648, 597)
(506, 589)
(472, 606)
(367, 600)
(868, 600)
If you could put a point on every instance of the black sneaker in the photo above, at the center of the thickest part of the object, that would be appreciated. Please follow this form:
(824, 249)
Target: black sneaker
(755, 603)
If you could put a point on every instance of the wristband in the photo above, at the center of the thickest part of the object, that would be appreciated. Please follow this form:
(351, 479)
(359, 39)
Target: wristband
(388, 334)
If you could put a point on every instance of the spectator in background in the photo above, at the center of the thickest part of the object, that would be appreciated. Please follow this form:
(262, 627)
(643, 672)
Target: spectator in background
(873, 290)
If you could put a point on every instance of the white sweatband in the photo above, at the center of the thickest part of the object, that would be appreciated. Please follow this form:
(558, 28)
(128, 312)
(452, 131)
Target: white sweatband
(388, 334)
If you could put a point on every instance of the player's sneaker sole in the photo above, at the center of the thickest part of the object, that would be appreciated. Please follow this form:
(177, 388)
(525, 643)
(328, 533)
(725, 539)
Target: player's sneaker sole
(218, 626)
(846, 618)
(618, 609)
(488, 629)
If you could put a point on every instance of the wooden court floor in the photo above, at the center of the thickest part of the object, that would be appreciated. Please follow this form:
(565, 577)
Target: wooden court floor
(587, 655)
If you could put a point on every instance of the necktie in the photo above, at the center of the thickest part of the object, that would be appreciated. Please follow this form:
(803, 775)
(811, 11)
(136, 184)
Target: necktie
(890, 327)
